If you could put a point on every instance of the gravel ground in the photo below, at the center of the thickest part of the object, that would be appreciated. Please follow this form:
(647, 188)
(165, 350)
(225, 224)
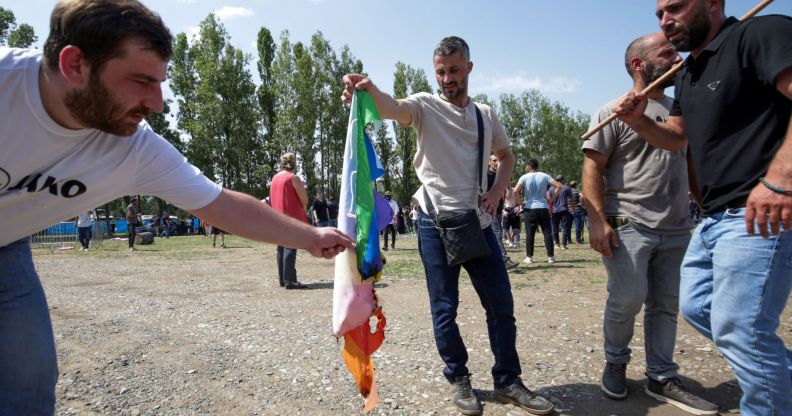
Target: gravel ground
(170, 330)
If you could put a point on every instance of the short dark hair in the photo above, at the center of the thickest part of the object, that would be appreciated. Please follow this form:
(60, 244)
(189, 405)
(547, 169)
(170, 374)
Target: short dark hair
(533, 163)
(451, 45)
(100, 27)
(636, 49)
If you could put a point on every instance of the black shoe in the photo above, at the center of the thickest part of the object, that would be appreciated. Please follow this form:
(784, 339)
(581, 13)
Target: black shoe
(295, 285)
(509, 263)
(464, 398)
(614, 381)
(674, 392)
(385, 248)
(393, 246)
(519, 395)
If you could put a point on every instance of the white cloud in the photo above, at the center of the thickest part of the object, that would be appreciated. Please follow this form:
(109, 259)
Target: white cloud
(228, 12)
(193, 33)
(522, 81)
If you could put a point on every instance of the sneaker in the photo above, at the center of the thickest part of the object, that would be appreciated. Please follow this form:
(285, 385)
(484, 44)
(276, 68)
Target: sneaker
(674, 392)
(551, 260)
(509, 263)
(564, 248)
(557, 246)
(131, 248)
(464, 398)
(614, 381)
(519, 395)
(222, 246)
(511, 245)
(385, 248)
(295, 285)
(213, 245)
(528, 260)
(393, 246)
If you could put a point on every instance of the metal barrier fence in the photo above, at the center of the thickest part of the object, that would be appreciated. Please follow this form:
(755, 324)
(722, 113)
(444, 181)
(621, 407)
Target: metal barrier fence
(65, 234)
(60, 235)
(98, 230)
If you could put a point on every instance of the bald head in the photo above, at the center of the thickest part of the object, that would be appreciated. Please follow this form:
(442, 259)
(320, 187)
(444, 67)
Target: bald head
(638, 49)
(648, 58)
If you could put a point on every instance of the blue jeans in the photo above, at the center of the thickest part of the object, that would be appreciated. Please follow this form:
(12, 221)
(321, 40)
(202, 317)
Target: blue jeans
(28, 367)
(733, 290)
(644, 269)
(287, 270)
(579, 220)
(497, 227)
(491, 282)
(325, 223)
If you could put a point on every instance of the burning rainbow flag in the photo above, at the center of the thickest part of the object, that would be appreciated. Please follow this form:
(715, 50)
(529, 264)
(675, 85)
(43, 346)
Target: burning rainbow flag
(362, 214)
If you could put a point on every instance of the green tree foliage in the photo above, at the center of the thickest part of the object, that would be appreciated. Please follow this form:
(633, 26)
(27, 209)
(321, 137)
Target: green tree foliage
(7, 23)
(265, 93)
(407, 81)
(218, 108)
(22, 36)
(544, 130)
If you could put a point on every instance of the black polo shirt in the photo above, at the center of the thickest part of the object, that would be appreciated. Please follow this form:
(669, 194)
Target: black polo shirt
(734, 116)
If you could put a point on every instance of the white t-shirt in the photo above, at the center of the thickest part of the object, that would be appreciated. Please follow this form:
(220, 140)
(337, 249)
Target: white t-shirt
(49, 173)
(446, 156)
(395, 208)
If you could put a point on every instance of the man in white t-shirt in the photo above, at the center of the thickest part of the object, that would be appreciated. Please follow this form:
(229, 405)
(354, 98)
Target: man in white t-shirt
(84, 223)
(446, 162)
(391, 228)
(73, 136)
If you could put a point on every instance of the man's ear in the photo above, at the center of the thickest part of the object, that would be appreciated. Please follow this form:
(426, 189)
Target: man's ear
(637, 65)
(470, 66)
(73, 66)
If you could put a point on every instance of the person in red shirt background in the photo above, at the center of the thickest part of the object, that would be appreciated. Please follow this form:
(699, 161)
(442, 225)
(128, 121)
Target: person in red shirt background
(288, 195)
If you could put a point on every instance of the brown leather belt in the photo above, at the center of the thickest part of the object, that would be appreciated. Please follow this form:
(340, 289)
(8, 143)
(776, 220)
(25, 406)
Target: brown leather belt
(616, 222)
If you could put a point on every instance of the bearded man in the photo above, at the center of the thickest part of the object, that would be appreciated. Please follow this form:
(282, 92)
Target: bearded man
(73, 136)
(637, 200)
(732, 108)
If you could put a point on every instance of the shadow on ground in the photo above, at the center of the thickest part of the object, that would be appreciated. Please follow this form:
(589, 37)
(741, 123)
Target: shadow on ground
(586, 399)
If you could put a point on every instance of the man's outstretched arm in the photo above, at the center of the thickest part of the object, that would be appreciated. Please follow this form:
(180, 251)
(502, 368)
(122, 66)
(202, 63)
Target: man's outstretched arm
(248, 217)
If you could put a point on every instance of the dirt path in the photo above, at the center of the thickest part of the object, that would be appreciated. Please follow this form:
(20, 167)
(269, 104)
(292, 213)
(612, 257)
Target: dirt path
(179, 328)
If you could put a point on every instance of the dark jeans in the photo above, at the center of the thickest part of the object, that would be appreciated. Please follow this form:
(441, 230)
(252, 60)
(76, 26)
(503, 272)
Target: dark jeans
(491, 282)
(392, 230)
(131, 233)
(562, 219)
(533, 218)
(287, 270)
(85, 235)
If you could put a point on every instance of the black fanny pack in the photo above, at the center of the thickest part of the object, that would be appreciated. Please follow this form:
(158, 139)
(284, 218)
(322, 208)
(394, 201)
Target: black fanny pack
(462, 236)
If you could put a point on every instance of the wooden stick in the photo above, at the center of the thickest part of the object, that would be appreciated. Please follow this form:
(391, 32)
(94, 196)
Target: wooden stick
(671, 72)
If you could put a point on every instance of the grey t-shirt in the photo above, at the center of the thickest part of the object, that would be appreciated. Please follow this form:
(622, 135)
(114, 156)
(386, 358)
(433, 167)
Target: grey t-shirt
(647, 185)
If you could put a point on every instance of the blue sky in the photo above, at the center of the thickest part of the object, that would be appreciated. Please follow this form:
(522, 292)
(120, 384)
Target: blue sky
(571, 50)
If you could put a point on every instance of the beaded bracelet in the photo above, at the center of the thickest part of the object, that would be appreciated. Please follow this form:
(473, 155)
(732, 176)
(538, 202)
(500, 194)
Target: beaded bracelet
(774, 188)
